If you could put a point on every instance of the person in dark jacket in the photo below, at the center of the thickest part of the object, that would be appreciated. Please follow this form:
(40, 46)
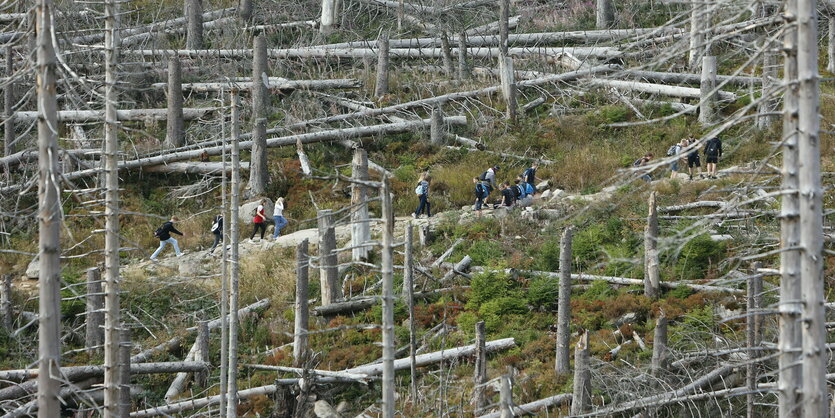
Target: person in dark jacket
(423, 197)
(530, 177)
(508, 197)
(217, 231)
(480, 195)
(713, 150)
(164, 235)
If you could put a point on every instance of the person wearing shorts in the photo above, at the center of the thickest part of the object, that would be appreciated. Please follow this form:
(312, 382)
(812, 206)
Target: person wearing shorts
(693, 160)
(713, 150)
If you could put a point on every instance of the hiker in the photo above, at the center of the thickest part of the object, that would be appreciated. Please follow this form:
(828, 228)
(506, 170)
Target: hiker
(674, 151)
(164, 235)
(693, 160)
(641, 162)
(278, 218)
(713, 150)
(508, 196)
(480, 195)
(488, 178)
(217, 231)
(422, 191)
(258, 220)
(530, 176)
(522, 191)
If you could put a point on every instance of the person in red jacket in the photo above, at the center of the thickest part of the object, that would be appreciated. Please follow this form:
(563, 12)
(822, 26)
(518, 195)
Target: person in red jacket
(258, 222)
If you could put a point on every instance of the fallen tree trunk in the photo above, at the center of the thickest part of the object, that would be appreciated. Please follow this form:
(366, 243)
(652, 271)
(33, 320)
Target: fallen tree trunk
(274, 84)
(493, 27)
(156, 26)
(193, 168)
(326, 373)
(694, 205)
(673, 91)
(202, 402)
(458, 269)
(663, 77)
(532, 408)
(505, 155)
(447, 253)
(31, 155)
(348, 306)
(123, 114)
(679, 107)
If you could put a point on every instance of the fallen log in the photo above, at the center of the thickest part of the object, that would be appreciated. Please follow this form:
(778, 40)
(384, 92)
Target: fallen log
(141, 37)
(408, 7)
(532, 408)
(458, 269)
(202, 402)
(193, 168)
(344, 307)
(447, 253)
(664, 77)
(297, 24)
(493, 27)
(31, 155)
(122, 114)
(326, 373)
(505, 155)
(661, 89)
(678, 107)
(694, 205)
(156, 26)
(274, 84)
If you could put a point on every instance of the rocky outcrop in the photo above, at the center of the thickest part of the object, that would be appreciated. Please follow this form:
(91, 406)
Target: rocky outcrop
(247, 211)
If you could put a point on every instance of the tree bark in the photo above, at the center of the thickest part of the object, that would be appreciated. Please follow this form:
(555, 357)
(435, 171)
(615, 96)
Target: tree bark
(561, 364)
(175, 127)
(535, 406)
(245, 10)
(459, 268)
(581, 400)
(194, 27)
(659, 346)
(125, 372)
(259, 175)
(94, 333)
(505, 397)
(224, 274)
(6, 308)
(690, 78)
(754, 289)
(652, 278)
(446, 50)
(463, 67)
(328, 260)
(360, 225)
(480, 369)
(49, 217)
(121, 115)
(408, 293)
(661, 89)
(302, 312)
(387, 270)
(192, 168)
(830, 46)
(232, 363)
(707, 103)
(769, 85)
(604, 14)
(327, 21)
(202, 342)
(698, 18)
(275, 83)
(8, 101)
(436, 127)
(381, 87)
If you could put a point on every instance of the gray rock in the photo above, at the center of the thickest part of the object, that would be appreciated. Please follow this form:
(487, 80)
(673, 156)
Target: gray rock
(322, 409)
(247, 211)
(627, 318)
(543, 185)
(33, 270)
(546, 195)
(557, 194)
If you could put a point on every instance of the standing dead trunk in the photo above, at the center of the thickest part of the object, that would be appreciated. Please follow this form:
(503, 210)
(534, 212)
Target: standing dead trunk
(8, 100)
(659, 346)
(258, 172)
(94, 332)
(125, 346)
(830, 46)
(381, 87)
(175, 128)
(581, 400)
(302, 312)
(754, 290)
(561, 365)
(328, 261)
(232, 363)
(698, 16)
(651, 274)
(360, 226)
(504, 17)
(480, 372)
(224, 275)
(6, 309)
(245, 10)
(49, 218)
(604, 14)
(508, 83)
(327, 21)
(408, 293)
(437, 128)
(446, 51)
(202, 378)
(387, 271)
(707, 103)
(813, 330)
(769, 86)
(463, 68)
(506, 397)
(194, 26)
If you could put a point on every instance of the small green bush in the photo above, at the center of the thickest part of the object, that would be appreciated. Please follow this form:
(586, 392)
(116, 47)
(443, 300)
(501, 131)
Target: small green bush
(486, 253)
(698, 256)
(548, 258)
(599, 290)
(488, 286)
(493, 311)
(543, 292)
(466, 322)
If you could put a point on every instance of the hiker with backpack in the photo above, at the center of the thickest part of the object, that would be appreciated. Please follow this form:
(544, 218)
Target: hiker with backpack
(693, 159)
(529, 175)
(480, 195)
(217, 231)
(674, 151)
(508, 196)
(713, 150)
(526, 192)
(641, 162)
(488, 178)
(278, 217)
(422, 192)
(258, 221)
(164, 235)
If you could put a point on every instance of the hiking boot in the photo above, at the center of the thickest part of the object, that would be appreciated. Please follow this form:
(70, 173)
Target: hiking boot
(414, 216)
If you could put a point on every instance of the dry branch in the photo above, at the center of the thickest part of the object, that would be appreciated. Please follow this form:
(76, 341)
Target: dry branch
(660, 89)
(123, 114)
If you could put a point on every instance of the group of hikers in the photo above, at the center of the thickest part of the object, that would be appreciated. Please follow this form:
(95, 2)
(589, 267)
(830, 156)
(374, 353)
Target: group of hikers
(687, 150)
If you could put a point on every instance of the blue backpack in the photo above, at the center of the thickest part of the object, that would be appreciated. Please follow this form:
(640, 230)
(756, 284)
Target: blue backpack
(479, 190)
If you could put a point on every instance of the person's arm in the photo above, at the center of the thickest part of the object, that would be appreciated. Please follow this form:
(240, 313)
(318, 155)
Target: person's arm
(174, 230)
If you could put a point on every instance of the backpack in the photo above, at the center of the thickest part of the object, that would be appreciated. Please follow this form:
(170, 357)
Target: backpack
(158, 232)
(712, 146)
(483, 176)
(216, 225)
(529, 190)
(672, 150)
(637, 162)
(519, 191)
(419, 189)
(479, 190)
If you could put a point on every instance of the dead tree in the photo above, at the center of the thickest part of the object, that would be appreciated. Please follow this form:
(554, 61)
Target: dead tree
(768, 105)
(698, 23)
(789, 341)
(754, 289)
(506, 74)
(830, 45)
(506, 397)
(245, 10)
(436, 127)
(408, 293)
(94, 332)
(561, 365)
(360, 226)
(232, 363)
(175, 126)
(480, 369)
(8, 100)
(112, 320)
(604, 14)
(651, 275)
(202, 378)
(446, 51)
(811, 212)
(301, 308)
(329, 18)
(659, 346)
(463, 68)
(328, 260)
(581, 400)
(49, 217)
(707, 103)
(6, 308)
(125, 346)
(224, 274)
(381, 87)
(387, 271)
(258, 171)
(194, 28)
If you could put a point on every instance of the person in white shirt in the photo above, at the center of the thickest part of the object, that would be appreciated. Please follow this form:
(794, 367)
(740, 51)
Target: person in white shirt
(278, 217)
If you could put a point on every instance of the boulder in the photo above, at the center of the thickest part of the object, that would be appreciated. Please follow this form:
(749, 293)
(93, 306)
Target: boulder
(545, 195)
(247, 211)
(627, 318)
(322, 409)
(556, 194)
(543, 185)
(33, 270)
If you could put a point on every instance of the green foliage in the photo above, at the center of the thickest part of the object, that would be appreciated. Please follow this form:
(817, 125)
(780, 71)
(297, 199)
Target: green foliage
(589, 241)
(599, 290)
(486, 253)
(698, 256)
(72, 304)
(466, 322)
(493, 312)
(543, 292)
(548, 257)
(681, 292)
(488, 286)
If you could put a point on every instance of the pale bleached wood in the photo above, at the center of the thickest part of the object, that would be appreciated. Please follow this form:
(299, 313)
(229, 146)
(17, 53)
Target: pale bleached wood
(275, 83)
(193, 11)
(581, 398)
(159, 27)
(193, 167)
(690, 78)
(94, 327)
(459, 268)
(328, 263)
(301, 320)
(327, 20)
(561, 363)
(381, 86)
(192, 404)
(408, 292)
(659, 89)
(754, 290)
(202, 355)
(125, 346)
(480, 369)
(659, 346)
(707, 102)
(244, 10)
(652, 278)
(6, 308)
(505, 397)
(360, 225)
(493, 27)
(508, 83)
(234, 233)
(436, 126)
(604, 14)
(8, 101)
(259, 175)
(447, 253)
(175, 127)
(463, 67)
(535, 406)
(121, 115)
(78, 373)
(387, 272)
(446, 54)
(224, 265)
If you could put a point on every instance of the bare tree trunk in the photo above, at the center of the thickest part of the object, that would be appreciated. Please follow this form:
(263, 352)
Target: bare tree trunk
(202, 378)
(8, 100)
(830, 46)
(327, 21)
(480, 372)
(698, 16)
(707, 103)
(604, 14)
(789, 341)
(508, 83)
(769, 85)
(811, 213)
(651, 277)
(581, 401)
(224, 277)
(112, 320)
(49, 218)
(175, 127)
(436, 127)
(463, 68)
(232, 375)
(6, 302)
(360, 226)
(301, 309)
(506, 397)
(387, 270)
(754, 290)
(408, 293)
(381, 87)
(328, 260)
(561, 365)
(94, 333)
(504, 16)
(245, 10)
(659, 346)
(258, 172)
(125, 346)
(194, 27)
(446, 50)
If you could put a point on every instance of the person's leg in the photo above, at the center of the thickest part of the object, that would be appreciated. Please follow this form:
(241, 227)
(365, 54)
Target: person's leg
(173, 242)
(428, 207)
(263, 227)
(162, 245)
(421, 204)
(277, 228)
(254, 230)
(218, 237)
(282, 222)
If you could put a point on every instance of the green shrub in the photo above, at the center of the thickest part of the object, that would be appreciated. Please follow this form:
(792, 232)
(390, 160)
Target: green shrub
(599, 290)
(488, 286)
(681, 292)
(543, 292)
(466, 322)
(548, 258)
(589, 240)
(698, 256)
(493, 311)
(486, 253)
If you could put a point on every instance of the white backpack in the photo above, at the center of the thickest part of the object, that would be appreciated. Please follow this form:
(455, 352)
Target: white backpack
(419, 189)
